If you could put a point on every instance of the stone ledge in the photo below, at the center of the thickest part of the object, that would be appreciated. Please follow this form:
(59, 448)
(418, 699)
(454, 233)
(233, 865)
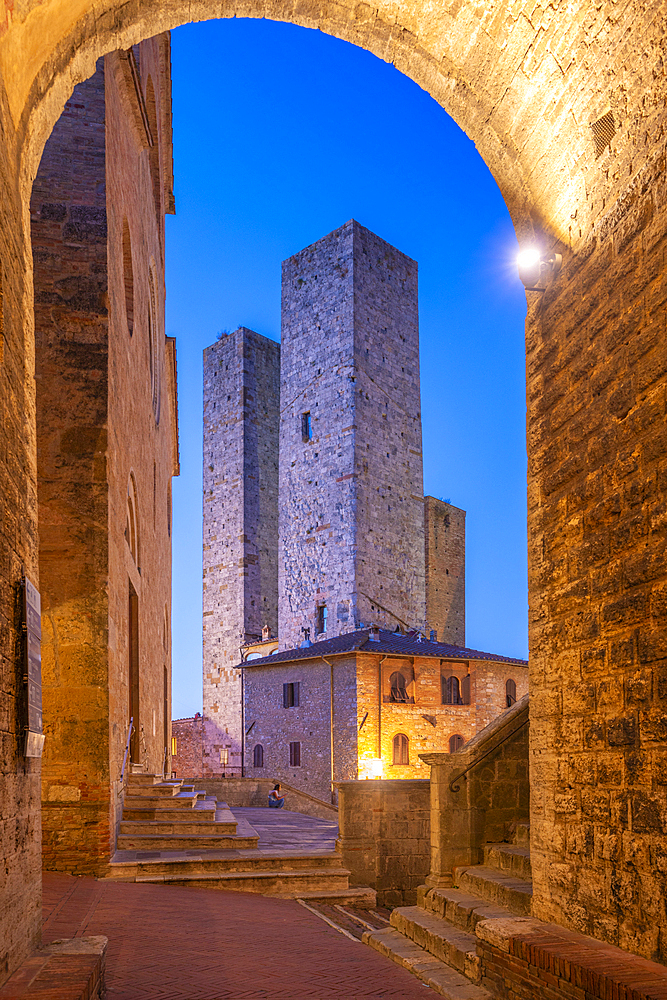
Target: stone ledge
(576, 965)
(70, 969)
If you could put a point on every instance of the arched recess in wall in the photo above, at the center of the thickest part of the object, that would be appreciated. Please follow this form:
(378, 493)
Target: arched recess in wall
(154, 149)
(132, 521)
(154, 359)
(128, 276)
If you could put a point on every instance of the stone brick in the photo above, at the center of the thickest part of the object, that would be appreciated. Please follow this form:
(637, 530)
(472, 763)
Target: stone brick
(240, 562)
(351, 494)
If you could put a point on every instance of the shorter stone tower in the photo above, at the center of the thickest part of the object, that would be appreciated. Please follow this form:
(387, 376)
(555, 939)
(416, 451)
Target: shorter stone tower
(240, 559)
(445, 558)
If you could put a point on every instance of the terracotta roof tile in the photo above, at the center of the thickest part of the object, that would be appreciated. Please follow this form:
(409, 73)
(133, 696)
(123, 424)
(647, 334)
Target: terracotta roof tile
(391, 643)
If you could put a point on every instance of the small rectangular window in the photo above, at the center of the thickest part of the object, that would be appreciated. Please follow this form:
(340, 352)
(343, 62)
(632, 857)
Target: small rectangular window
(173, 746)
(295, 754)
(306, 427)
(291, 695)
(322, 618)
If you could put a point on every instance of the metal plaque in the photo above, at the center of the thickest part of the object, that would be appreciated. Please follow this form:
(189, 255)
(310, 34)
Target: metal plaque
(33, 626)
(34, 744)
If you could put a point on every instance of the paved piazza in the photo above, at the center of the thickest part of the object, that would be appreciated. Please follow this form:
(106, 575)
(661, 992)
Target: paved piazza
(202, 944)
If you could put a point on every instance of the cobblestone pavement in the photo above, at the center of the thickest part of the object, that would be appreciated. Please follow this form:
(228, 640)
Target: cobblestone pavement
(176, 943)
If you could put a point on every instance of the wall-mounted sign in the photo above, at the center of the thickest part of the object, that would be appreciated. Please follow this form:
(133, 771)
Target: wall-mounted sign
(34, 742)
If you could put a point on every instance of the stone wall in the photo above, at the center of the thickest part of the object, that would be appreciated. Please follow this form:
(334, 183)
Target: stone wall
(241, 408)
(351, 515)
(69, 240)
(384, 836)
(445, 568)
(101, 370)
(597, 523)
(254, 793)
(478, 793)
(272, 726)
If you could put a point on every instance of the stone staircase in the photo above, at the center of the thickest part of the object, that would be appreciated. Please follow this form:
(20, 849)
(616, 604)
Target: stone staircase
(437, 940)
(172, 816)
(171, 832)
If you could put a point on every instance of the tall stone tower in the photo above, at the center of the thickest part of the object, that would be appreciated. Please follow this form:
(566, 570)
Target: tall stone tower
(351, 486)
(445, 556)
(241, 414)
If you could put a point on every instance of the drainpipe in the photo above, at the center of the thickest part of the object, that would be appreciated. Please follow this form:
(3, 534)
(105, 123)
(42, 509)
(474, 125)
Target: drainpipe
(242, 719)
(331, 724)
(380, 662)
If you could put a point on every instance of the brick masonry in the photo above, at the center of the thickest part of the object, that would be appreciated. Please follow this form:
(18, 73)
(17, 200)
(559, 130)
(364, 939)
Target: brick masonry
(384, 836)
(526, 88)
(98, 326)
(351, 508)
(240, 563)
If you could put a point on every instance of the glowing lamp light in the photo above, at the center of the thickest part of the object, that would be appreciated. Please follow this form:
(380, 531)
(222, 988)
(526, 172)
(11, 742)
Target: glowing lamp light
(534, 265)
(376, 768)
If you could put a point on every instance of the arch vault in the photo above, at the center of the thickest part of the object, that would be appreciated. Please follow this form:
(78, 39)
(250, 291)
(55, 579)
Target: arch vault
(566, 104)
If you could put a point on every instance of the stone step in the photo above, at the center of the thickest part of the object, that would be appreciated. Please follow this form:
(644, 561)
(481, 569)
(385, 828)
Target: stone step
(209, 826)
(155, 787)
(361, 897)
(450, 944)
(126, 867)
(178, 801)
(199, 811)
(508, 891)
(511, 858)
(459, 908)
(186, 842)
(286, 883)
(441, 978)
(142, 778)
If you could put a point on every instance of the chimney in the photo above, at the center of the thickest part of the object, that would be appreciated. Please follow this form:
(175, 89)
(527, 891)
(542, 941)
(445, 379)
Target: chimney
(374, 634)
(434, 635)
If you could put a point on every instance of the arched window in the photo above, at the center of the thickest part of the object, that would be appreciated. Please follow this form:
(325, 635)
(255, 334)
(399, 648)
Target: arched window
(510, 692)
(456, 742)
(465, 690)
(399, 690)
(258, 756)
(154, 149)
(128, 277)
(451, 691)
(132, 521)
(153, 352)
(401, 749)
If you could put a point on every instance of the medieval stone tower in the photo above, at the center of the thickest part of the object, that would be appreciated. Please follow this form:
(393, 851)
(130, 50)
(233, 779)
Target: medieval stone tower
(241, 385)
(351, 489)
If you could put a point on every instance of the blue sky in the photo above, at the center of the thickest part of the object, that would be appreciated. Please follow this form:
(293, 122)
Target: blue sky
(281, 134)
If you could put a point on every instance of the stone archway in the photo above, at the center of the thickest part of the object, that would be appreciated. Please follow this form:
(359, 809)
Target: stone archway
(566, 106)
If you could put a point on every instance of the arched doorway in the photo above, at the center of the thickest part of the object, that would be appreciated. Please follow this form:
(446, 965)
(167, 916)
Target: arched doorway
(532, 93)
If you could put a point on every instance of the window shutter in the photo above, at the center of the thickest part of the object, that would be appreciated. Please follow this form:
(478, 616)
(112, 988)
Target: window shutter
(296, 694)
(466, 689)
(285, 695)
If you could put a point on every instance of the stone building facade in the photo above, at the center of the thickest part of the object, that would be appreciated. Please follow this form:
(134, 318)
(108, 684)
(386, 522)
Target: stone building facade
(336, 709)
(104, 368)
(445, 570)
(240, 563)
(351, 487)
(339, 531)
(568, 113)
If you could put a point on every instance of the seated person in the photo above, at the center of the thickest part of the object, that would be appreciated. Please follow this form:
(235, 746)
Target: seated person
(276, 800)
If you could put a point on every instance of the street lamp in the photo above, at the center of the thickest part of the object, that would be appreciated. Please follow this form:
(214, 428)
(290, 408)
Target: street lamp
(534, 265)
